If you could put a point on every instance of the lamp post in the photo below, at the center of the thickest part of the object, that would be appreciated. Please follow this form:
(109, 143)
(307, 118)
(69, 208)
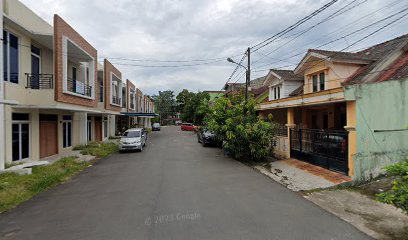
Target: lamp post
(247, 69)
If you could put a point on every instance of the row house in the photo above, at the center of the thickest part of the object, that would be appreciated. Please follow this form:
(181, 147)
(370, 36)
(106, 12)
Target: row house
(54, 93)
(322, 108)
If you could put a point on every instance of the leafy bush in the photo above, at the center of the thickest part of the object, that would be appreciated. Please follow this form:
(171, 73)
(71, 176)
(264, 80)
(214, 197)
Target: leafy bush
(235, 122)
(398, 195)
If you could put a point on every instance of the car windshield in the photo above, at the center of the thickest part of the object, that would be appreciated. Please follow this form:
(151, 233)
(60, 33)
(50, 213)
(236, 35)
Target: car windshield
(156, 125)
(131, 134)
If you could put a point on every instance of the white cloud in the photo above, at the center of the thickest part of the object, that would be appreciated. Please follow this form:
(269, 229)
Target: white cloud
(199, 29)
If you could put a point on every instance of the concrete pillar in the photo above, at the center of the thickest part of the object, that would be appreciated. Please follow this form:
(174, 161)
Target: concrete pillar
(35, 134)
(112, 126)
(80, 128)
(290, 124)
(352, 135)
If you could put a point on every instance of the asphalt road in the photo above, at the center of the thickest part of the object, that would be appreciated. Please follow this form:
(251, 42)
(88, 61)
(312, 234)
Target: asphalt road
(174, 189)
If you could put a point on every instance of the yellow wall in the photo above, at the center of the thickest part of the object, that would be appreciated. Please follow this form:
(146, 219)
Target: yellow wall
(351, 127)
(335, 74)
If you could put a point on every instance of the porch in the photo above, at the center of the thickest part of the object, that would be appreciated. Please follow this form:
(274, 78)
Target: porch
(316, 134)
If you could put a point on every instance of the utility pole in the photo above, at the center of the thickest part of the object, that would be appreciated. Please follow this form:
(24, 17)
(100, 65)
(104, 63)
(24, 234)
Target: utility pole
(248, 74)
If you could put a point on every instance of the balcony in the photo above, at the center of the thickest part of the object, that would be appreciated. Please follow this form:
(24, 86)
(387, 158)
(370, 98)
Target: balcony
(78, 87)
(40, 81)
(116, 100)
(132, 105)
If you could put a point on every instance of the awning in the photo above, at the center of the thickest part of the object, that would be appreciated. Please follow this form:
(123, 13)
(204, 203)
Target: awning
(139, 114)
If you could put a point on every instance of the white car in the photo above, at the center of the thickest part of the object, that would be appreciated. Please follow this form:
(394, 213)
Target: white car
(133, 139)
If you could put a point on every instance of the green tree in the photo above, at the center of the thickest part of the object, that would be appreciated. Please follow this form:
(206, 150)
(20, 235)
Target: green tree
(164, 103)
(193, 106)
(235, 122)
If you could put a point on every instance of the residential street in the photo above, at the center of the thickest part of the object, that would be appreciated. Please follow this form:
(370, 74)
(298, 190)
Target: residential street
(174, 189)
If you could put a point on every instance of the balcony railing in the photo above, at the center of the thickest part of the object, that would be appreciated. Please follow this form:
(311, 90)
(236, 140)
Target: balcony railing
(40, 81)
(79, 87)
(116, 100)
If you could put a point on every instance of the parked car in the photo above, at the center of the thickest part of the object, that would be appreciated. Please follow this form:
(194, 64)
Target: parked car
(188, 127)
(156, 127)
(133, 139)
(207, 138)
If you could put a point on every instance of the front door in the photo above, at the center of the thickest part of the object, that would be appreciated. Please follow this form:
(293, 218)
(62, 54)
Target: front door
(48, 135)
(98, 128)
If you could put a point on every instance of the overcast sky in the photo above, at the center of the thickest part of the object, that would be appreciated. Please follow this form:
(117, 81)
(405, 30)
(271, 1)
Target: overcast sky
(212, 29)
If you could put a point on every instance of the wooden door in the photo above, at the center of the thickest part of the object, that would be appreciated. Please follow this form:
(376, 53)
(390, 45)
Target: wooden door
(98, 128)
(48, 135)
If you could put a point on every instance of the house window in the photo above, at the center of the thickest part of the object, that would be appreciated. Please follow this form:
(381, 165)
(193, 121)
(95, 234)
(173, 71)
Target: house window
(318, 82)
(20, 136)
(321, 79)
(67, 131)
(274, 93)
(105, 127)
(10, 57)
(101, 90)
(89, 129)
(314, 77)
(278, 92)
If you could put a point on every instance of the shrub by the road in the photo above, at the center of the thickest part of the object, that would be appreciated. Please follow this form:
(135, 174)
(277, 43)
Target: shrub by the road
(245, 135)
(15, 189)
(398, 195)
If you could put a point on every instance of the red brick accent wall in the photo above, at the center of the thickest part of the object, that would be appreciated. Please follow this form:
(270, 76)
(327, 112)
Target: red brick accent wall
(129, 85)
(108, 69)
(61, 28)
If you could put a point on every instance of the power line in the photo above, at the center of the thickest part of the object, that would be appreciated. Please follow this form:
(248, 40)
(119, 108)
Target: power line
(267, 41)
(347, 35)
(335, 14)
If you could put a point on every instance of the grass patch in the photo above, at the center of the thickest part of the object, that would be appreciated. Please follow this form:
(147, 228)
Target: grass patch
(99, 150)
(15, 189)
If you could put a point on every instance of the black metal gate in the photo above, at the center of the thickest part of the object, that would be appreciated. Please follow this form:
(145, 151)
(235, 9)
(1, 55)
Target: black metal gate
(325, 148)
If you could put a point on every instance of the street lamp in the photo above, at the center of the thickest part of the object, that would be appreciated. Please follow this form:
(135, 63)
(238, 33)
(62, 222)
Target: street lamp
(248, 71)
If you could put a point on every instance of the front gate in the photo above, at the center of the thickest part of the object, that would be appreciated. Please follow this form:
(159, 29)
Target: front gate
(325, 148)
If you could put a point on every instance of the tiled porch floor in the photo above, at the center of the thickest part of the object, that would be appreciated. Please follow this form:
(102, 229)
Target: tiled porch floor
(331, 176)
(297, 175)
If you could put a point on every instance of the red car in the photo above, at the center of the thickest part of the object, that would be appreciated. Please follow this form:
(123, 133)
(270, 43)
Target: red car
(188, 127)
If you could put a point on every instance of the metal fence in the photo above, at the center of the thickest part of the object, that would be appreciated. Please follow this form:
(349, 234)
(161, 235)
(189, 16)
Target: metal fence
(40, 81)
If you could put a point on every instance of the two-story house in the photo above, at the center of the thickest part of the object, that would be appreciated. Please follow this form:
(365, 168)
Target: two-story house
(321, 121)
(54, 93)
(49, 78)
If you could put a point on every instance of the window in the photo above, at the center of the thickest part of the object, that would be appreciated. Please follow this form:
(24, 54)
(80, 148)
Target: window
(278, 92)
(67, 131)
(321, 78)
(314, 83)
(101, 90)
(105, 127)
(131, 134)
(10, 57)
(318, 82)
(89, 129)
(20, 136)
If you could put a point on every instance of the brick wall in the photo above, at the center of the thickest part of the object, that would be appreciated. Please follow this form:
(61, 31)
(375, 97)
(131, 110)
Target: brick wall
(108, 69)
(61, 28)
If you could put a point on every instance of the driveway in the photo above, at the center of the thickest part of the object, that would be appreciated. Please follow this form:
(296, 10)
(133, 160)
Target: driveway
(174, 189)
